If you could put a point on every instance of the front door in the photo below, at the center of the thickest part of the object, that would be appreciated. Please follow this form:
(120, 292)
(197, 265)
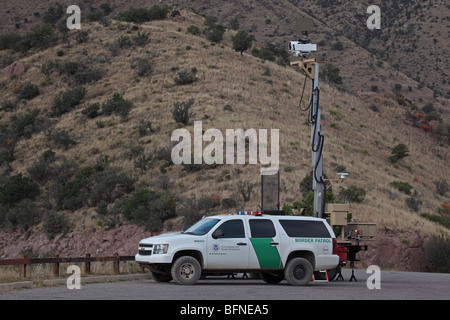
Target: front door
(228, 246)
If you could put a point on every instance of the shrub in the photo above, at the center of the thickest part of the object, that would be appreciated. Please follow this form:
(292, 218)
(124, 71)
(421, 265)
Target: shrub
(42, 170)
(28, 91)
(61, 139)
(66, 101)
(437, 254)
(17, 188)
(330, 73)
(402, 186)
(150, 208)
(24, 214)
(181, 113)
(245, 189)
(91, 111)
(55, 224)
(400, 151)
(117, 105)
(185, 77)
(53, 14)
(193, 209)
(194, 30)
(141, 39)
(140, 15)
(414, 202)
(228, 203)
(442, 187)
(143, 66)
(352, 194)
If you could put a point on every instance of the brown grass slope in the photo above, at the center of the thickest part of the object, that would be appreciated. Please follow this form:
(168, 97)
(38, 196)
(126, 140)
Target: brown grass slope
(360, 139)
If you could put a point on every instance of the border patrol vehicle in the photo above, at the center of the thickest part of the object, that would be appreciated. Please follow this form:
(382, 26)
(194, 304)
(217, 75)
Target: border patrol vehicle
(277, 247)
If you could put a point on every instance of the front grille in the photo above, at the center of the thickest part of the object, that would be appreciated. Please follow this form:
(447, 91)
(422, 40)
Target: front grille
(145, 249)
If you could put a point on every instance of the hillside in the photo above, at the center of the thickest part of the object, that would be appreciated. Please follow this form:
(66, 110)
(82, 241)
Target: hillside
(102, 157)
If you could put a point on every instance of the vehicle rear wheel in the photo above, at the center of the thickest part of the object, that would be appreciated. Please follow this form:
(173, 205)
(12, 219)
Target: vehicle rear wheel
(186, 270)
(298, 272)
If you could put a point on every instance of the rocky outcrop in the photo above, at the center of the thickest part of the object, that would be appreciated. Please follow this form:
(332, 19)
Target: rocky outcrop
(395, 250)
(98, 242)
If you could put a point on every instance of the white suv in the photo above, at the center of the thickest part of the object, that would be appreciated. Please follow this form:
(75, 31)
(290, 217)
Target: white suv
(276, 246)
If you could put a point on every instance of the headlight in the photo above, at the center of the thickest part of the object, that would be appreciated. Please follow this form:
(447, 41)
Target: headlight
(160, 248)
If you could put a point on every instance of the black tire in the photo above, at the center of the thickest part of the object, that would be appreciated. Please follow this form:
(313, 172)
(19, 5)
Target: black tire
(186, 270)
(272, 277)
(161, 277)
(298, 272)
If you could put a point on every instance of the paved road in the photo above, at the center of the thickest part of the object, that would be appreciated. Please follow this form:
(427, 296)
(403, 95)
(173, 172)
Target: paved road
(394, 285)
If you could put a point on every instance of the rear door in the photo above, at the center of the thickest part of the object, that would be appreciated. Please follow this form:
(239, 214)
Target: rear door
(265, 244)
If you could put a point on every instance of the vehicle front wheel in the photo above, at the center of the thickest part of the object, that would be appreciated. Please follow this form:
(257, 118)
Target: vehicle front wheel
(186, 270)
(298, 272)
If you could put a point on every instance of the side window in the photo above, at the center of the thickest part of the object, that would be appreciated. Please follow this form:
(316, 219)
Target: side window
(305, 228)
(232, 229)
(262, 228)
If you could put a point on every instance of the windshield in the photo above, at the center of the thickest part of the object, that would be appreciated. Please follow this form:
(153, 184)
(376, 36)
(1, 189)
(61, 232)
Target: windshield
(202, 227)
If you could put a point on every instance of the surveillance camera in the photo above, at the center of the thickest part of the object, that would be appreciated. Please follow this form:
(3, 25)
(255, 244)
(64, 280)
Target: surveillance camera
(301, 48)
(342, 175)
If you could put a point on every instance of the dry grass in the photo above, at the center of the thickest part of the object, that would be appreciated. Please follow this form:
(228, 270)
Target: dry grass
(360, 139)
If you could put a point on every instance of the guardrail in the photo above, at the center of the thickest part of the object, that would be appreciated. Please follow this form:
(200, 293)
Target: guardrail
(56, 260)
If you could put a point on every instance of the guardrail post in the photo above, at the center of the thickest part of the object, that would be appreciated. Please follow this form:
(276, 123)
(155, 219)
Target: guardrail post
(23, 268)
(116, 263)
(56, 266)
(87, 264)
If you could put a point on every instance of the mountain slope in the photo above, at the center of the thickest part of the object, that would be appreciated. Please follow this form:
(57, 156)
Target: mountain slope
(231, 92)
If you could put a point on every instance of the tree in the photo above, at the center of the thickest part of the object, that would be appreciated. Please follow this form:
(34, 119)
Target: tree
(400, 151)
(330, 72)
(242, 41)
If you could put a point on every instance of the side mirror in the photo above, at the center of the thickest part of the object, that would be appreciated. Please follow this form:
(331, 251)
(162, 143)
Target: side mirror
(217, 234)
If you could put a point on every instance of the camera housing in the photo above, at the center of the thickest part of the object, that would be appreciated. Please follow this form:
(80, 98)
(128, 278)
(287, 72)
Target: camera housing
(302, 48)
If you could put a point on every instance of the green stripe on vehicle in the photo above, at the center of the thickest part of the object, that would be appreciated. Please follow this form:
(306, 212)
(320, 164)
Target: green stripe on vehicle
(268, 256)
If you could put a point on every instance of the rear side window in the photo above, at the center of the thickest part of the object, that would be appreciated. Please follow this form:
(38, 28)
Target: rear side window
(262, 228)
(303, 229)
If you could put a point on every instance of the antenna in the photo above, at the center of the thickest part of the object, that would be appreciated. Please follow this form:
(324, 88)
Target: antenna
(304, 25)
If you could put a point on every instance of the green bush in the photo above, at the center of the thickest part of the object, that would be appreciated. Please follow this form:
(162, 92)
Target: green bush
(330, 72)
(442, 187)
(24, 215)
(17, 188)
(437, 254)
(140, 15)
(194, 30)
(66, 101)
(55, 224)
(404, 187)
(28, 91)
(150, 208)
(185, 77)
(400, 151)
(181, 113)
(414, 202)
(352, 194)
(117, 105)
(91, 111)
